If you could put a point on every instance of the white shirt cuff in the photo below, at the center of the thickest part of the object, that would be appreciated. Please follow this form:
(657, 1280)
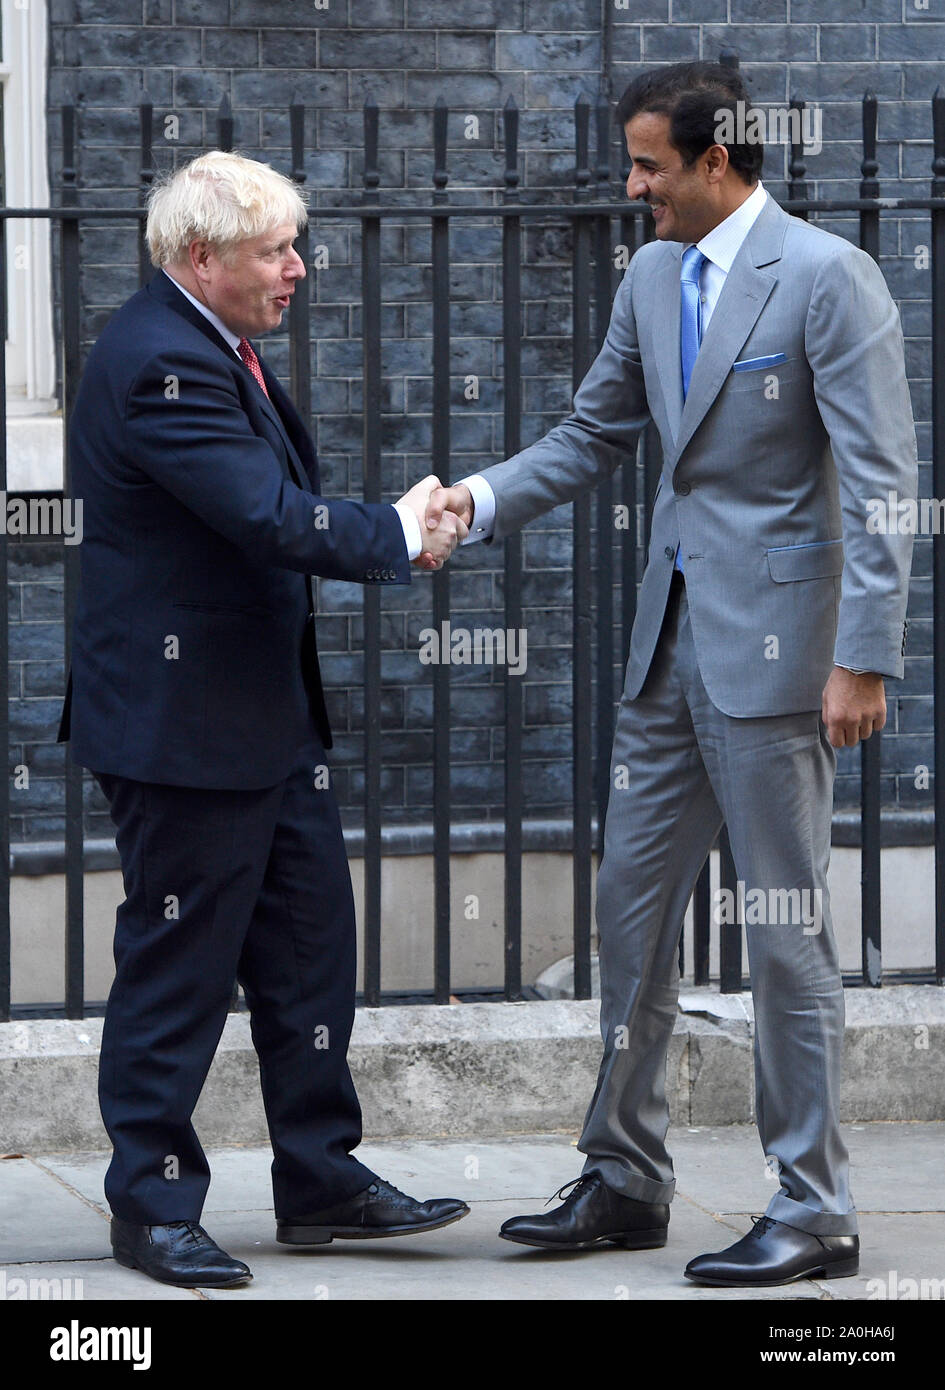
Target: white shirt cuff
(412, 537)
(483, 522)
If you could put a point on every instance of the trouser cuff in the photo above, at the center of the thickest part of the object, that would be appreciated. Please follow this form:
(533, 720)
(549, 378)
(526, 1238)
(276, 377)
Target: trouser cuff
(628, 1183)
(816, 1223)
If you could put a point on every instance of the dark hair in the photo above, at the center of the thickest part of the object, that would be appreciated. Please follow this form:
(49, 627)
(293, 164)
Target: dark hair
(691, 94)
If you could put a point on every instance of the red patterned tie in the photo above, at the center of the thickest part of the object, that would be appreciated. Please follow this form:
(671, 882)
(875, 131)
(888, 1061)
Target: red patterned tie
(245, 351)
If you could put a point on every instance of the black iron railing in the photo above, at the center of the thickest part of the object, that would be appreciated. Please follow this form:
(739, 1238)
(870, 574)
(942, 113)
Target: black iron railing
(593, 213)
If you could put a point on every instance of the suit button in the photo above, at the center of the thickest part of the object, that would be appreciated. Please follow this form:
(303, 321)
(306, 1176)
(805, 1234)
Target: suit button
(683, 489)
(670, 553)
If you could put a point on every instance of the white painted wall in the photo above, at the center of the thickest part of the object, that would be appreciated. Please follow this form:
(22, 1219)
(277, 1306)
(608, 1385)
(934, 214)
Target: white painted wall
(34, 423)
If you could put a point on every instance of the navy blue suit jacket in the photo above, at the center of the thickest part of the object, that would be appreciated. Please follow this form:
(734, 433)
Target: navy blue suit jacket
(193, 658)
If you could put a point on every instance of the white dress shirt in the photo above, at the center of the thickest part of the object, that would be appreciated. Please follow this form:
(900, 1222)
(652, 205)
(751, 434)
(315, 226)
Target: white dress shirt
(720, 247)
(408, 519)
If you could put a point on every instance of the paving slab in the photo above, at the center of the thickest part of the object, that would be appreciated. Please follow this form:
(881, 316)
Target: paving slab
(93, 1281)
(468, 1261)
(43, 1219)
(519, 1168)
(53, 1224)
(894, 1167)
(897, 1247)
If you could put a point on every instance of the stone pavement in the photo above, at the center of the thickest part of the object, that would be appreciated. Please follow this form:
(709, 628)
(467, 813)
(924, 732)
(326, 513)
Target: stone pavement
(53, 1223)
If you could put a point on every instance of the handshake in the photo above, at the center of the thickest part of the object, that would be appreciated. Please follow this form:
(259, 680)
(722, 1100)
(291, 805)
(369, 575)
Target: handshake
(444, 514)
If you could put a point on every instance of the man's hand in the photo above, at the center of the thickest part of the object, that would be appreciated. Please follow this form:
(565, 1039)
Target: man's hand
(457, 499)
(439, 537)
(853, 706)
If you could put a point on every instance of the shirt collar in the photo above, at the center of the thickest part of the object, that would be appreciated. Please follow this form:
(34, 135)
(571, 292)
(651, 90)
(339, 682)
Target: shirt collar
(723, 243)
(225, 333)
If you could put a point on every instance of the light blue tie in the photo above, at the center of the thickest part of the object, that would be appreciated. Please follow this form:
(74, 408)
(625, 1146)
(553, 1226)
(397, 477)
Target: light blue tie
(690, 312)
(690, 323)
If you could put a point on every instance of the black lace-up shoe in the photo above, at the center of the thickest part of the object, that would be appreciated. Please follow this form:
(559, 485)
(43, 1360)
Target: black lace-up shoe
(592, 1214)
(380, 1210)
(179, 1252)
(773, 1253)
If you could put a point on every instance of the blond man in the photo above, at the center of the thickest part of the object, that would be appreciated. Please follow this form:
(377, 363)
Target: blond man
(195, 699)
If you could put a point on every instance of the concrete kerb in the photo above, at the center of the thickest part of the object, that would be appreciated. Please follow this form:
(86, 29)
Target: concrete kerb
(488, 1069)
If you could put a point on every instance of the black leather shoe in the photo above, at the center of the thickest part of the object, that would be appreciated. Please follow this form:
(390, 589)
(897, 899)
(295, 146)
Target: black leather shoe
(590, 1215)
(773, 1253)
(379, 1210)
(179, 1253)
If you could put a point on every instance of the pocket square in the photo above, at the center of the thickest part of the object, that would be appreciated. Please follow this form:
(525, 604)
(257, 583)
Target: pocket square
(755, 364)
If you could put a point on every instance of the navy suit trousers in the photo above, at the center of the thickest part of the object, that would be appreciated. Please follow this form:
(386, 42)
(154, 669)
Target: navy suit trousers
(223, 886)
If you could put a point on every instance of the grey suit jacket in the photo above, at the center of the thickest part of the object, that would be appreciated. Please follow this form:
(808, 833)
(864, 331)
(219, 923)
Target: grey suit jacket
(768, 465)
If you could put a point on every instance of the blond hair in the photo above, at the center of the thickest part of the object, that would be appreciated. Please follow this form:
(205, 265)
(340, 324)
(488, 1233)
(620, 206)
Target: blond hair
(221, 198)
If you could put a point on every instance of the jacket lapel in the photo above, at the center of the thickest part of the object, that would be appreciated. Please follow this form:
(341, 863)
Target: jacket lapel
(666, 301)
(162, 287)
(297, 436)
(744, 295)
(267, 404)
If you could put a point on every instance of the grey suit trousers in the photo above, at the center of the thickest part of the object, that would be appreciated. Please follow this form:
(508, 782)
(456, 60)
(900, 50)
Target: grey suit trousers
(680, 767)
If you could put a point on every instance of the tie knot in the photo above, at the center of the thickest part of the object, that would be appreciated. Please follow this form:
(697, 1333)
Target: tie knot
(692, 262)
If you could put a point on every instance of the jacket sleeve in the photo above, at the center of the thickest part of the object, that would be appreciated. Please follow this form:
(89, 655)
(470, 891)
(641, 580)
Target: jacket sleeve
(610, 410)
(186, 430)
(854, 345)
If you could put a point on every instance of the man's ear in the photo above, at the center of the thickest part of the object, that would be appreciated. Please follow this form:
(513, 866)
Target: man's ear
(199, 253)
(717, 163)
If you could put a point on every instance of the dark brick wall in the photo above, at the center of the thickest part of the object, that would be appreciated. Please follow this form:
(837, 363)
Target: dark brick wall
(36, 684)
(544, 53)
